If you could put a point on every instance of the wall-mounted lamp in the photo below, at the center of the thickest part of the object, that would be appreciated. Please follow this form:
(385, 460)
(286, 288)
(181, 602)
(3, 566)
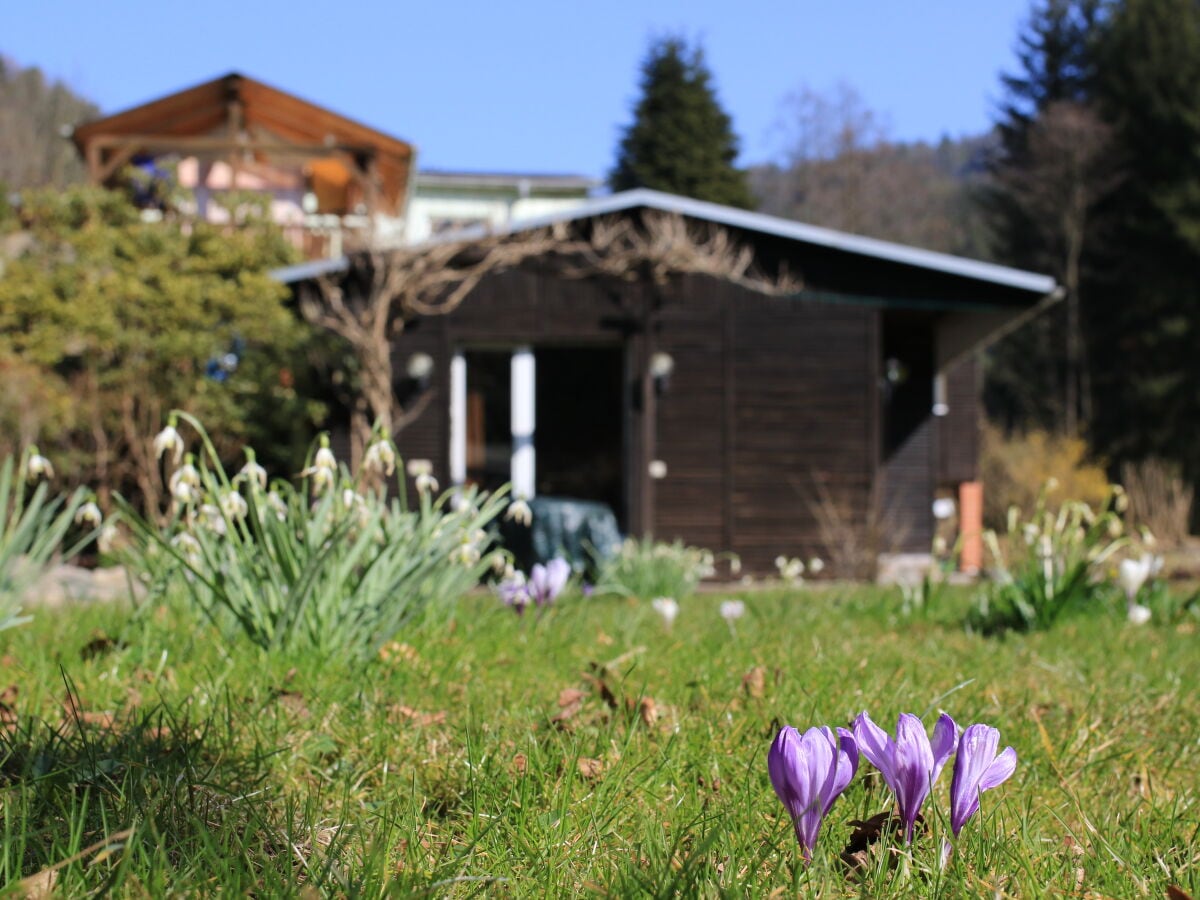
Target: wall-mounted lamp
(661, 366)
(895, 371)
(420, 369)
(418, 373)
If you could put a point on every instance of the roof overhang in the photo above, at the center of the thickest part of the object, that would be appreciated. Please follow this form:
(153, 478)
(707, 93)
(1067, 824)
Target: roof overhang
(962, 285)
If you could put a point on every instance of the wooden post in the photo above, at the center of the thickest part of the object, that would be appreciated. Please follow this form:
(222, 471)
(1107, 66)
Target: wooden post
(970, 524)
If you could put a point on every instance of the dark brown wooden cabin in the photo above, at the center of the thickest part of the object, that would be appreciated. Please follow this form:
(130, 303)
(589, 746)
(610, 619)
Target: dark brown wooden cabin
(859, 394)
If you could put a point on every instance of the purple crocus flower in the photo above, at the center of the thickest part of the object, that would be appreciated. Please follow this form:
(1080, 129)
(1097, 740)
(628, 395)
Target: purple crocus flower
(514, 591)
(546, 582)
(808, 772)
(910, 764)
(977, 768)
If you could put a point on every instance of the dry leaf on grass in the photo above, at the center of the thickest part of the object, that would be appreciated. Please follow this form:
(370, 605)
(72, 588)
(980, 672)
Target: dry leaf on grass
(754, 682)
(520, 763)
(293, 702)
(400, 713)
(99, 645)
(866, 841)
(589, 768)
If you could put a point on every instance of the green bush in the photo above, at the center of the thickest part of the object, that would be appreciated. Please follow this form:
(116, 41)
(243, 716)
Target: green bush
(331, 565)
(1047, 565)
(32, 529)
(647, 569)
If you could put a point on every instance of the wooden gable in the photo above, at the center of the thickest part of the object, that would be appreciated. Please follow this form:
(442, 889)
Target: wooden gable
(235, 116)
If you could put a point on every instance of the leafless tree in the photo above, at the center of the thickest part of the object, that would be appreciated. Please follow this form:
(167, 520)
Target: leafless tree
(838, 167)
(436, 278)
(1068, 169)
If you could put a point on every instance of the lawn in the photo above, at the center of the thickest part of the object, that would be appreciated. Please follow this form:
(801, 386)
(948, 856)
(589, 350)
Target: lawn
(584, 752)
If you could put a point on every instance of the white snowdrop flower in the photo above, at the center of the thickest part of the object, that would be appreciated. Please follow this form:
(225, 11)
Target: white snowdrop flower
(37, 466)
(735, 565)
(732, 610)
(107, 539)
(233, 504)
(188, 547)
(519, 512)
(380, 458)
(252, 473)
(169, 441)
(427, 484)
(276, 505)
(466, 553)
(211, 518)
(350, 498)
(667, 608)
(816, 565)
(1138, 614)
(500, 565)
(89, 514)
(325, 459)
(184, 483)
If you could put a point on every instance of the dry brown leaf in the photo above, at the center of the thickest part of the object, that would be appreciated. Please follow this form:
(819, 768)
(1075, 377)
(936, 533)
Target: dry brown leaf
(40, 884)
(100, 644)
(570, 696)
(519, 763)
(589, 768)
(1174, 892)
(293, 702)
(648, 711)
(8, 712)
(399, 712)
(754, 682)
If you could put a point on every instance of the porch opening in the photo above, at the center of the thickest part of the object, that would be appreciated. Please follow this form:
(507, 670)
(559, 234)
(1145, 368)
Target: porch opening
(578, 407)
(580, 435)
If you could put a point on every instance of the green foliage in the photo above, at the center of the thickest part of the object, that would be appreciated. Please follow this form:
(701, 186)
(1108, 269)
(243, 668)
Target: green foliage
(33, 525)
(1148, 328)
(331, 567)
(647, 569)
(1048, 566)
(107, 321)
(1132, 65)
(680, 140)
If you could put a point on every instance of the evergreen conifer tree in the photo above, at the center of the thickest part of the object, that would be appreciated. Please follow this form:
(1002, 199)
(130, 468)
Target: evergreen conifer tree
(680, 140)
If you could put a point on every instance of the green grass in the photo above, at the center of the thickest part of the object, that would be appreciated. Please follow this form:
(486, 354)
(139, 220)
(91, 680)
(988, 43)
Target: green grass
(441, 771)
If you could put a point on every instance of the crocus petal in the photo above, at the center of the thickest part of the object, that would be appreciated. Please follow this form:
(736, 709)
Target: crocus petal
(913, 768)
(847, 765)
(780, 760)
(558, 570)
(977, 768)
(1000, 770)
(945, 739)
(876, 746)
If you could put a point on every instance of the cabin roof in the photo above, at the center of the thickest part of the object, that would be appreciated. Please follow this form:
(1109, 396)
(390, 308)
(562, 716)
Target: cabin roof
(1036, 285)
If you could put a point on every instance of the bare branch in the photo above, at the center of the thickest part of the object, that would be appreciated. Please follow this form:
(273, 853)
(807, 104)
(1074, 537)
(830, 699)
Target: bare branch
(435, 279)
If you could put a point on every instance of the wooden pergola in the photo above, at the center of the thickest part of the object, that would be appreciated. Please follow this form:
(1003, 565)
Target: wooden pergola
(235, 118)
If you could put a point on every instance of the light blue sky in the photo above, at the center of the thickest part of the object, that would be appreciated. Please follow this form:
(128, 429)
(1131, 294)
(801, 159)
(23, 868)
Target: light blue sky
(533, 85)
